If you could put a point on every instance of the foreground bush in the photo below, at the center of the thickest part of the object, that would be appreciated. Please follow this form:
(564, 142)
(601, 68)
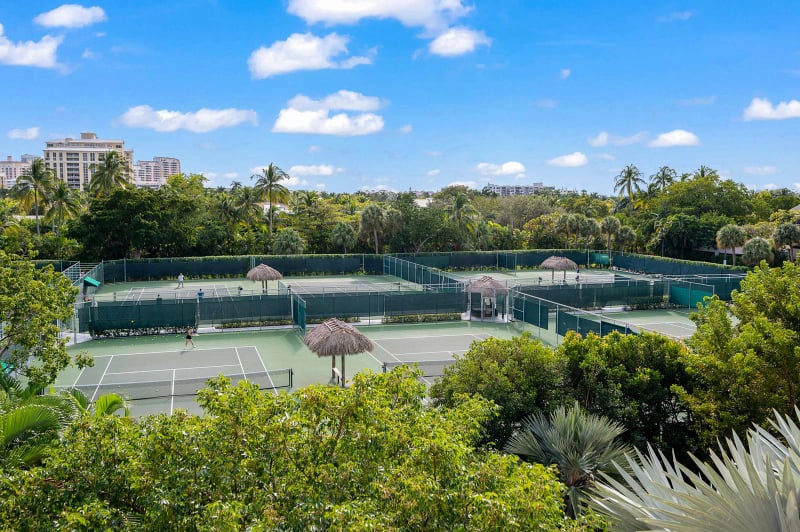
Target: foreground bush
(369, 457)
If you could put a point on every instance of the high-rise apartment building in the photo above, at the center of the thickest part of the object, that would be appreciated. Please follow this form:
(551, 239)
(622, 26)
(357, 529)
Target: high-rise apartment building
(71, 159)
(153, 174)
(10, 170)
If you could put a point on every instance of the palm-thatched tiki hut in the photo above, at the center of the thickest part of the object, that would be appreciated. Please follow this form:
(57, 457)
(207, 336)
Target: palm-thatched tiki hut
(558, 263)
(483, 297)
(264, 273)
(334, 337)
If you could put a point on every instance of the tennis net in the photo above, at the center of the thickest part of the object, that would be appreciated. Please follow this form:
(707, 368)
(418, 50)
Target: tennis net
(265, 380)
(429, 368)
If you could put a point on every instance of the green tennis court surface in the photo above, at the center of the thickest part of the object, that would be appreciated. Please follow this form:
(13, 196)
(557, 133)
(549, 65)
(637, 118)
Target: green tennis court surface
(145, 366)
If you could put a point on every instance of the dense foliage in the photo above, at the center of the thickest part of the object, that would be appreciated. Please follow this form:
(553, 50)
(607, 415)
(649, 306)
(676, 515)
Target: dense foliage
(369, 457)
(667, 215)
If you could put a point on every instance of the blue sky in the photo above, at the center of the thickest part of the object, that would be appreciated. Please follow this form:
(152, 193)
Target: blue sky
(414, 94)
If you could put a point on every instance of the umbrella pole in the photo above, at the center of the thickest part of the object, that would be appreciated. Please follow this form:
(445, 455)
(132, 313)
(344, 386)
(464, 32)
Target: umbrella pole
(333, 368)
(343, 378)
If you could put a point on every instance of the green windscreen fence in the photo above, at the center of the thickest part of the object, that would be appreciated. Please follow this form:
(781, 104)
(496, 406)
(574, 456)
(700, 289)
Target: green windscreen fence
(419, 273)
(667, 266)
(585, 323)
(507, 261)
(299, 314)
(601, 259)
(531, 310)
(688, 294)
(121, 316)
(584, 296)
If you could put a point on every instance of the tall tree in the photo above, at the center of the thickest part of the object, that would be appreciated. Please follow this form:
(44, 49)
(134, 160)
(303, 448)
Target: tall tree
(626, 236)
(463, 214)
(65, 205)
(755, 250)
(288, 242)
(33, 188)
(343, 236)
(268, 183)
(629, 181)
(787, 234)
(373, 221)
(663, 178)
(609, 226)
(730, 237)
(112, 173)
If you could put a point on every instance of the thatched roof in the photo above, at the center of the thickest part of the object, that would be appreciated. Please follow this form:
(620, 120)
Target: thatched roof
(558, 263)
(262, 272)
(335, 337)
(487, 286)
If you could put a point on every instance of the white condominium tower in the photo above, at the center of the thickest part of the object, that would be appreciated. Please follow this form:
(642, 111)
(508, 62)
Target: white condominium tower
(71, 159)
(153, 174)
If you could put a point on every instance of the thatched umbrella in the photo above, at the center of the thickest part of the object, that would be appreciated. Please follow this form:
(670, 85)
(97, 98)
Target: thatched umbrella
(264, 273)
(558, 263)
(334, 337)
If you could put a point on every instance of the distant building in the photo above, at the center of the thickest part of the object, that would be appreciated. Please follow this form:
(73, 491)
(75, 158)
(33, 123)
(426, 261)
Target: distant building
(10, 170)
(519, 190)
(71, 159)
(153, 174)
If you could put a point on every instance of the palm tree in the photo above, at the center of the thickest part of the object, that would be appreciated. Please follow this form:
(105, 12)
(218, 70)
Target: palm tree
(589, 229)
(569, 224)
(343, 236)
(463, 213)
(65, 204)
(629, 181)
(29, 422)
(288, 242)
(745, 486)
(625, 236)
(112, 173)
(609, 227)
(578, 443)
(268, 184)
(33, 188)
(755, 250)
(247, 203)
(663, 178)
(705, 171)
(105, 405)
(787, 234)
(730, 237)
(373, 221)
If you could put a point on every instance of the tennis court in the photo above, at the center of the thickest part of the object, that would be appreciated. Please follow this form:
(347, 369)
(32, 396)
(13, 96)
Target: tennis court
(538, 277)
(141, 367)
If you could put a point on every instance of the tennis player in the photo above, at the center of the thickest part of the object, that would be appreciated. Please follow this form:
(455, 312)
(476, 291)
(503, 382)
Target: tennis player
(189, 340)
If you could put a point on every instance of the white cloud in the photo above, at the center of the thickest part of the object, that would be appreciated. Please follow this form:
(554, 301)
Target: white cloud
(342, 100)
(230, 175)
(40, 53)
(507, 168)
(88, 54)
(569, 161)
(431, 14)
(770, 186)
(406, 129)
(547, 103)
(676, 16)
(313, 148)
(458, 41)
(606, 157)
(293, 182)
(305, 115)
(319, 169)
(201, 121)
(693, 102)
(565, 73)
(600, 140)
(676, 137)
(302, 51)
(71, 16)
(604, 139)
(434, 172)
(468, 184)
(30, 133)
(760, 170)
(762, 109)
(210, 175)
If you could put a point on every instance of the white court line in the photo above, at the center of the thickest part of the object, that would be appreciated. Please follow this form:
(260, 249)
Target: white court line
(271, 383)
(420, 354)
(244, 374)
(172, 393)
(169, 352)
(425, 337)
(169, 369)
(97, 388)
(74, 384)
(387, 352)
